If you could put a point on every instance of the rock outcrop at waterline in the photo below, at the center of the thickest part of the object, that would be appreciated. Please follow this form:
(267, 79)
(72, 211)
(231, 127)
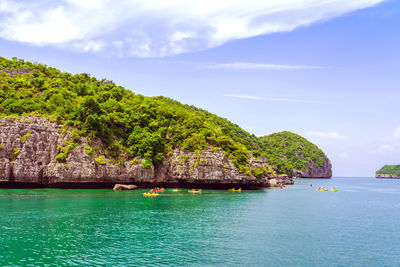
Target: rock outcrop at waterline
(29, 146)
(124, 187)
(388, 176)
(388, 172)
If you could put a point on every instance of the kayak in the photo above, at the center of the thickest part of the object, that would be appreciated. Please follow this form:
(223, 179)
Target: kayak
(194, 191)
(158, 190)
(151, 194)
(175, 190)
(235, 190)
(334, 190)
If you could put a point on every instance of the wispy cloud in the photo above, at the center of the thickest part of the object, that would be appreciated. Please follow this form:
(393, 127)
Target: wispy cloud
(390, 143)
(396, 133)
(386, 148)
(325, 135)
(241, 65)
(261, 66)
(153, 28)
(274, 99)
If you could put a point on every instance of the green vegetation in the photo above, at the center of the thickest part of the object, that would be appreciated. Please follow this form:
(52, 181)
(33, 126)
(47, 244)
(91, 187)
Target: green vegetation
(134, 126)
(186, 159)
(63, 151)
(89, 151)
(24, 137)
(390, 169)
(288, 151)
(100, 160)
(16, 151)
(135, 160)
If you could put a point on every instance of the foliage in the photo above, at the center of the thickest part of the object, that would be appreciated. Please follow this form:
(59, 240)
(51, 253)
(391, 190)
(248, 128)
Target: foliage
(89, 151)
(100, 160)
(134, 126)
(186, 158)
(24, 137)
(258, 172)
(288, 151)
(16, 151)
(63, 151)
(61, 157)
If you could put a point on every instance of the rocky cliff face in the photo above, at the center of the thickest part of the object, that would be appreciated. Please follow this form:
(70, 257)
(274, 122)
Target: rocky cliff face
(312, 170)
(212, 167)
(388, 176)
(29, 146)
(13, 72)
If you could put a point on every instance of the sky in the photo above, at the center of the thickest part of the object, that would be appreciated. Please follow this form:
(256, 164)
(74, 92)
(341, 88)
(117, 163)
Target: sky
(328, 70)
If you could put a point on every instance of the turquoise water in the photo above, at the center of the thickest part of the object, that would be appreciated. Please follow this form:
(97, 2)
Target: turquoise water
(299, 226)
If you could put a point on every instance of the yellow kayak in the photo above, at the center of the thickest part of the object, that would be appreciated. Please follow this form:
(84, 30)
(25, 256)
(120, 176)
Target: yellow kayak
(175, 190)
(151, 194)
(235, 190)
(334, 190)
(195, 191)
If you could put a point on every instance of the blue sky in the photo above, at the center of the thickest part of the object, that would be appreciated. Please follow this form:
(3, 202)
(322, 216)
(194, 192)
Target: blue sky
(328, 70)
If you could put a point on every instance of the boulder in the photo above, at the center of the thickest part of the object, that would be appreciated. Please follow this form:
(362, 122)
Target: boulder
(122, 187)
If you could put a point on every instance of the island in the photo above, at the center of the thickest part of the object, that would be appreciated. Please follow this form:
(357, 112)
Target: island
(389, 171)
(63, 130)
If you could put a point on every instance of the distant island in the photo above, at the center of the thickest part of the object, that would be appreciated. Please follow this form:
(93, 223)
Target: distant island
(59, 129)
(389, 171)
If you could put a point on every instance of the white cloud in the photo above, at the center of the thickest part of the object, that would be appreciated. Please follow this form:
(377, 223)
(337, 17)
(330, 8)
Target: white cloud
(152, 28)
(390, 143)
(325, 135)
(89, 46)
(385, 148)
(252, 97)
(396, 133)
(261, 66)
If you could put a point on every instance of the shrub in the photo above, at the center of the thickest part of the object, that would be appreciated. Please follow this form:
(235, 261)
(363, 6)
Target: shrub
(186, 158)
(16, 151)
(100, 160)
(258, 172)
(89, 151)
(24, 137)
(61, 157)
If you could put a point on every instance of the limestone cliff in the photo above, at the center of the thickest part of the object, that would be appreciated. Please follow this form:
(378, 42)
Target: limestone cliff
(388, 176)
(29, 146)
(312, 170)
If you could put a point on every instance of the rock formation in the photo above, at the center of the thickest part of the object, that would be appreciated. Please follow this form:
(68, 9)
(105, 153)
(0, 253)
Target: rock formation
(311, 170)
(29, 146)
(388, 176)
(124, 187)
(13, 72)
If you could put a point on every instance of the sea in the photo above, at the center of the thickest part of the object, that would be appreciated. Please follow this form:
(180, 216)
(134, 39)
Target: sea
(358, 225)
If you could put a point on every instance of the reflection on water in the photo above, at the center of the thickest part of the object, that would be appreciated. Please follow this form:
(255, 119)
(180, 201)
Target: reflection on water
(357, 225)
